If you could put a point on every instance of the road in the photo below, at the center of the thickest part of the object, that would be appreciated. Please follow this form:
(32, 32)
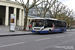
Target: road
(55, 41)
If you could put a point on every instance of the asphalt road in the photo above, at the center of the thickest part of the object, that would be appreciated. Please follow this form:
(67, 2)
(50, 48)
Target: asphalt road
(56, 41)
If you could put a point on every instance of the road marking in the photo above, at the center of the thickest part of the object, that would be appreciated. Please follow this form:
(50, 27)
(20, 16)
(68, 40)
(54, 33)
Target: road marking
(42, 39)
(12, 44)
(59, 36)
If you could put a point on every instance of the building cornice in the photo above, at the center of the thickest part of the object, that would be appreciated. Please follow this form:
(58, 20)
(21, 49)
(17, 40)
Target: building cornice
(11, 4)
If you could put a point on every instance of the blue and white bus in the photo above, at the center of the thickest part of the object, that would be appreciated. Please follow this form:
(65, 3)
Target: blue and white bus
(47, 25)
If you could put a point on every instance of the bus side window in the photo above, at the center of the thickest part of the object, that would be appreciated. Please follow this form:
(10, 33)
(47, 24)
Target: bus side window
(56, 24)
(49, 23)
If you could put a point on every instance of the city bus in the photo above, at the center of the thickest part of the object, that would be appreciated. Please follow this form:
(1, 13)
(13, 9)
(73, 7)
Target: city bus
(48, 25)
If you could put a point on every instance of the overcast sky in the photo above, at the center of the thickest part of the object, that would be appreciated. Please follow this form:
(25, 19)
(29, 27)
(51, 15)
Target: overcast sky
(69, 3)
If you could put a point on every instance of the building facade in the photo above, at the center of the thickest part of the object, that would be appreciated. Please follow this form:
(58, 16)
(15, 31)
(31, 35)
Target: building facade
(34, 12)
(11, 7)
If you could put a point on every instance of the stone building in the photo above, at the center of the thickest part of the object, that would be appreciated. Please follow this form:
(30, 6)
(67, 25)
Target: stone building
(7, 8)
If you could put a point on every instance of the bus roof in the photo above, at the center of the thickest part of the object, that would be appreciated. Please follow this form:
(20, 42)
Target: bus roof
(48, 19)
(45, 18)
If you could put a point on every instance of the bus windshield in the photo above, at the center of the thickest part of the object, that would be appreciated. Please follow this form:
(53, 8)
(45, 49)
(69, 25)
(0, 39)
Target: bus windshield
(37, 23)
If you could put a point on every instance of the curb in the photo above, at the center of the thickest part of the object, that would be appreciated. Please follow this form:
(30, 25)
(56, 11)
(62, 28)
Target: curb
(14, 35)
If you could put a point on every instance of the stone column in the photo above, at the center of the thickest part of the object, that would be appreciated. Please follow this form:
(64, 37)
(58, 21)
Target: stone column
(7, 16)
(23, 18)
(15, 15)
(20, 17)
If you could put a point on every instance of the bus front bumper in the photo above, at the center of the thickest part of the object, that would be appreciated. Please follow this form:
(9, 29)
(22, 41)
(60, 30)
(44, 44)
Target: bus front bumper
(40, 31)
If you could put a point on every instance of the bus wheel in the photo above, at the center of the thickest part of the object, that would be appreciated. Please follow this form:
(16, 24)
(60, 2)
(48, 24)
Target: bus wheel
(49, 31)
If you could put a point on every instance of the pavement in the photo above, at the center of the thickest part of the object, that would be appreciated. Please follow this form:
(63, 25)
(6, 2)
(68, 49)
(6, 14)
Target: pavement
(4, 31)
(14, 33)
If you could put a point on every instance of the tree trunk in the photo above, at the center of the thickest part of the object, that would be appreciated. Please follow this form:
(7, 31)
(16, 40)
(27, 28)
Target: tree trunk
(25, 20)
(44, 15)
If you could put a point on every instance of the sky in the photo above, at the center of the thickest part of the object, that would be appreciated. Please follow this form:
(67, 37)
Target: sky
(69, 3)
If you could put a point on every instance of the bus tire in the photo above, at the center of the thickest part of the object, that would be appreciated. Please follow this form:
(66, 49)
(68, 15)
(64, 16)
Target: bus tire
(49, 31)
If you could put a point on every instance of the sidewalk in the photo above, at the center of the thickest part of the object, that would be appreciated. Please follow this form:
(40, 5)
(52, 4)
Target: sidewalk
(14, 33)
(4, 31)
(8, 33)
(71, 30)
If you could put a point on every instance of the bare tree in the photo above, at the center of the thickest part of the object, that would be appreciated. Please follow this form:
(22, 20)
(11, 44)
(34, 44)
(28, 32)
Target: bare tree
(45, 7)
(27, 7)
(57, 8)
(67, 15)
(62, 13)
